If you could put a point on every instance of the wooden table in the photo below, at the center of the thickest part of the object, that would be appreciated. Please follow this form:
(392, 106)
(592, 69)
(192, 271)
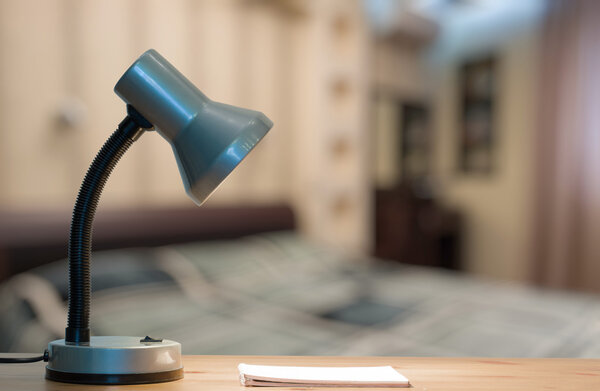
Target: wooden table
(220, 373)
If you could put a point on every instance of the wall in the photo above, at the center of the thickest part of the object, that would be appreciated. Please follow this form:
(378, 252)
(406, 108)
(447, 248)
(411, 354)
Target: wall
(61, 57)
(332, 137)
(497, 208)
(302, 63)
(398, 74)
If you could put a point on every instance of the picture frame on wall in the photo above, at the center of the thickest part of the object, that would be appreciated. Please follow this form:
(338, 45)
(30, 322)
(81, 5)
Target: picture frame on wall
(415, 148)
(478, 84)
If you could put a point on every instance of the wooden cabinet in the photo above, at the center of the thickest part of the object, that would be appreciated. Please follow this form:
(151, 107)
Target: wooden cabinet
(414, 230)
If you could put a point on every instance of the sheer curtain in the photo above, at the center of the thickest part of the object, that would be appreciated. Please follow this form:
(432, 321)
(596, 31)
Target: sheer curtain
(567, 248)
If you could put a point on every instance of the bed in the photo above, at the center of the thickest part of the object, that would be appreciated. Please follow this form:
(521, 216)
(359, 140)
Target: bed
(272, 292)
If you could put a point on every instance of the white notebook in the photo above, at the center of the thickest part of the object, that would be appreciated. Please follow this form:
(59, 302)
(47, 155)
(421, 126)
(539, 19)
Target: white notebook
(280, 376)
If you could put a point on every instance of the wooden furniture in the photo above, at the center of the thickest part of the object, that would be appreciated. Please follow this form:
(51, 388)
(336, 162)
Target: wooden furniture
(416, 230)
(32, 239)
(220, 373)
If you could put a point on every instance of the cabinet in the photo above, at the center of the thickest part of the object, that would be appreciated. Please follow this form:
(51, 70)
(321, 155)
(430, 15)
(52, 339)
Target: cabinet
(415, 230)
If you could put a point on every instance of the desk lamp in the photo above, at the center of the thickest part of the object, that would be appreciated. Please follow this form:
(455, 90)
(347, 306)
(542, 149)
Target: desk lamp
(209, 140)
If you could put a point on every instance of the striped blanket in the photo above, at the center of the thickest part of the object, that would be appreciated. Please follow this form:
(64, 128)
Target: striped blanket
(276, 294)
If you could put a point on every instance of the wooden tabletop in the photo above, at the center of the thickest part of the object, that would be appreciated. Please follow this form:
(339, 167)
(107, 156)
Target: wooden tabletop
(220, 373)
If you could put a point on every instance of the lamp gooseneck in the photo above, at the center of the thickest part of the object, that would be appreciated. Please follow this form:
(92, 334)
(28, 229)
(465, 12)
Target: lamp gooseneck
(80, 240)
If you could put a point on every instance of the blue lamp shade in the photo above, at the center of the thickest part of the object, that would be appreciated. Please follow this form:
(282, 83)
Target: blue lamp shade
(209, 139)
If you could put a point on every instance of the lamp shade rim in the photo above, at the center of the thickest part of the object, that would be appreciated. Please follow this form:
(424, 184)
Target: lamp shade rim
(228, 159)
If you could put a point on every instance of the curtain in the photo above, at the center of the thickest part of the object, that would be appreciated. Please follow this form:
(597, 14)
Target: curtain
(567, 224)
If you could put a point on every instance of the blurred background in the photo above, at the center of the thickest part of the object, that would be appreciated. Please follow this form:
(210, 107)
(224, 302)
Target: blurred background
(453, 134)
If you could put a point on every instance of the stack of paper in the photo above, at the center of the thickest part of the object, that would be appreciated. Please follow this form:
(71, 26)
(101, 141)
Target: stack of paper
(279, 376)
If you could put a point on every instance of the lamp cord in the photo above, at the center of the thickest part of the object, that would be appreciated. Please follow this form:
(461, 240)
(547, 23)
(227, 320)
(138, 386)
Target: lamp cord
(24, 360)
(80, 240)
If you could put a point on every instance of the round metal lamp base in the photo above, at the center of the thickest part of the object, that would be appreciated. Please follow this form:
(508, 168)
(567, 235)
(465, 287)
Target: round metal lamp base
(115, 360)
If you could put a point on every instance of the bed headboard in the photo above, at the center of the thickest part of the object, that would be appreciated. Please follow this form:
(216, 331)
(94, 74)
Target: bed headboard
(34, 238)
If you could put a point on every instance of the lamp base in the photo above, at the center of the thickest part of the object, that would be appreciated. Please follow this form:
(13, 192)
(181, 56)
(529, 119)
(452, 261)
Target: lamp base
(115, 360)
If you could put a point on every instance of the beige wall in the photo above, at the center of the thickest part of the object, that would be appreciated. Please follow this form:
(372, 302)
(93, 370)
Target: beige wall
(332, 187)
(303, 63)
(398, 74)
(56, 52)
(497, 208)
(398, 67)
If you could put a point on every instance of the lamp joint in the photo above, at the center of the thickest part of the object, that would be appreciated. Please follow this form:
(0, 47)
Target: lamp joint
(139, 119)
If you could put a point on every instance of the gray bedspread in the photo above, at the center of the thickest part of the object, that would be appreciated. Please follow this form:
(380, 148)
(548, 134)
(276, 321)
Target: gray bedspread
(276, 294)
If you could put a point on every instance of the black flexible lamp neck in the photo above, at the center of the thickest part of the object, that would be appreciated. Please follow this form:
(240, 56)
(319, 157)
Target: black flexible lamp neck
(80, 240)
